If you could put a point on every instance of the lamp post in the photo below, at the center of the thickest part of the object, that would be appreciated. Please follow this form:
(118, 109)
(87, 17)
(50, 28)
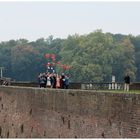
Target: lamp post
(1, 70)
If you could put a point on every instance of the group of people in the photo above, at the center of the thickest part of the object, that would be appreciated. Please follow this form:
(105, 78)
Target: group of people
(53, 80)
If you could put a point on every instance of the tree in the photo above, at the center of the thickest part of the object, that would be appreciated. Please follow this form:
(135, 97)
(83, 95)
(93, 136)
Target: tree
(24, 64)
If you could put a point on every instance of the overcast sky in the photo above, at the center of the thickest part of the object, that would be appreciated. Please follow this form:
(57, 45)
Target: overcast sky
(33, 20)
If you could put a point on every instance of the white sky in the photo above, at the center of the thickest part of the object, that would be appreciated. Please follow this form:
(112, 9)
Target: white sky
(33, 20)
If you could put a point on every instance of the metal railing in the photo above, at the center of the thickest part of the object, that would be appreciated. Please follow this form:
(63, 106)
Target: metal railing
(5, 81)
(84, 86)
(102, 86)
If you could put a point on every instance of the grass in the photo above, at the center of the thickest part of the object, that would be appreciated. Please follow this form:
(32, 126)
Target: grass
(121, 91)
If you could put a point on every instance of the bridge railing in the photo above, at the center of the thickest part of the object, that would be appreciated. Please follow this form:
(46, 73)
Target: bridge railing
(102, 86)
(84, 86)
(5, 81)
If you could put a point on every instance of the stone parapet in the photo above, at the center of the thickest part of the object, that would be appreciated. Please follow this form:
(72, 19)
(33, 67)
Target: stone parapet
(28, 112)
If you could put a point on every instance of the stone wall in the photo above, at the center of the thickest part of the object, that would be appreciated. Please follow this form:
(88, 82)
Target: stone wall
(50, 113)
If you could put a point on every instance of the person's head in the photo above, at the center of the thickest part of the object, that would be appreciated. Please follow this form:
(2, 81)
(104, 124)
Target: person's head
(62, 74)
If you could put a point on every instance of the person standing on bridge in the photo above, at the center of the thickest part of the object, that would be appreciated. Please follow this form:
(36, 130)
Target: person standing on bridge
(127, 82)
(67, 81)
(58, 81)
(42, 80)
(63, 81)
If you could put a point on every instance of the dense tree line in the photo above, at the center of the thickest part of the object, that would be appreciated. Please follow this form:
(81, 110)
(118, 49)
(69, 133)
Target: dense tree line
(94, 57)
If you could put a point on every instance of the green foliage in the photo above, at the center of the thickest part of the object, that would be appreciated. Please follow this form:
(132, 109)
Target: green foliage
(94, 57)
(136, 42)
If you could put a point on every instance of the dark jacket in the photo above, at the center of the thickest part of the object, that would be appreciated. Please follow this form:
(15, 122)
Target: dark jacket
(127, 79)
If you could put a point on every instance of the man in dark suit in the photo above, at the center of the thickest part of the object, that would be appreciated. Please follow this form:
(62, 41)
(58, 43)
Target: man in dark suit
(127, 82)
